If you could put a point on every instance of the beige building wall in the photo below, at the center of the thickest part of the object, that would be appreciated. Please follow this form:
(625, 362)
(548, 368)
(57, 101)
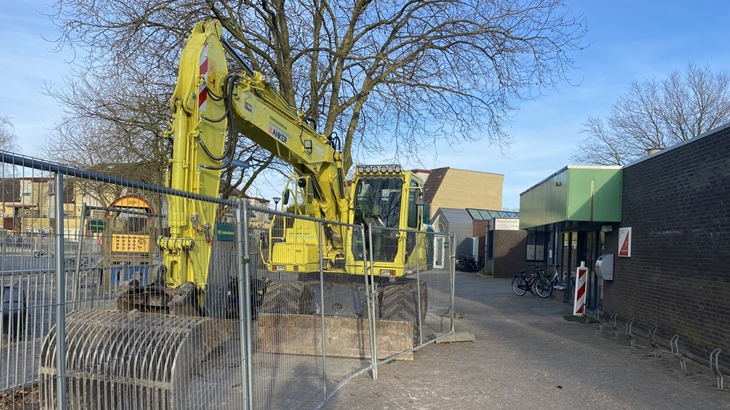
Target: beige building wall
(468, 189)
(258, 219)
(38, 212)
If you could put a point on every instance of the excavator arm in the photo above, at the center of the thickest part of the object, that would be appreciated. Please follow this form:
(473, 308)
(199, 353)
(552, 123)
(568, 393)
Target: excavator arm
(255, 109)
(199, 152)
(211, 108)
(262, 115)
(212, 105)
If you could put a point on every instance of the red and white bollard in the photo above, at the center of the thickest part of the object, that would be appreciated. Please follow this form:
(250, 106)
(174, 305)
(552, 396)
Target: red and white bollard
(581, 275)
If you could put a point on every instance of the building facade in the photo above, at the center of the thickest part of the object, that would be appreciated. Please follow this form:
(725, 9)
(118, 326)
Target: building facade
(566, 217)
(505, 246)
(668, 234)
(672, 245)
(28, 205)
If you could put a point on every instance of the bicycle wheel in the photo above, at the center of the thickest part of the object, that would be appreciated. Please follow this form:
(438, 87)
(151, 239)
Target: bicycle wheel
(543, 287)
(519, 285)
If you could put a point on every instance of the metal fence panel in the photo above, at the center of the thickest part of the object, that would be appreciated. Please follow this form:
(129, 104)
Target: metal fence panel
(418, 305)
(296, 366)
(291, 309)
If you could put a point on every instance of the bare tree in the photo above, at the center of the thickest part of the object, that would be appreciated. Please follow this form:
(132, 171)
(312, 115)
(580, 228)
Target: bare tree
(657, 114)
(7, 136)
(386, 77)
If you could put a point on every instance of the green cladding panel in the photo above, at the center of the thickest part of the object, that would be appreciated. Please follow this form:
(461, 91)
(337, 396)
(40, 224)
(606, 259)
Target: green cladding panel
(575, 193)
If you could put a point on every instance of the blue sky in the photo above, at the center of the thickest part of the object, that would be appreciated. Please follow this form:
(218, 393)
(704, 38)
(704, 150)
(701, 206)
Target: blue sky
(629, 40)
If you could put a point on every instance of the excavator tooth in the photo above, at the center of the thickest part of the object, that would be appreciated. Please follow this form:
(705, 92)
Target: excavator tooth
(123, 360)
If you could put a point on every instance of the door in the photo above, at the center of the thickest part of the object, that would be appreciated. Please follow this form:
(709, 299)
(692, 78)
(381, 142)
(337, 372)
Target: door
(439, 250)
(584, 246)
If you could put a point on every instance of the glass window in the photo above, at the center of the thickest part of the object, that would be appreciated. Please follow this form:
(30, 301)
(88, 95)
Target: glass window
(378, 202)
(536, 244)
(412, 207)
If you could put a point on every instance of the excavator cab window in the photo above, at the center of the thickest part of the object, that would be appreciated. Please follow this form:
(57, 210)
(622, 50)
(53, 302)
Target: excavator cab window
(378, 203)
(415, 202)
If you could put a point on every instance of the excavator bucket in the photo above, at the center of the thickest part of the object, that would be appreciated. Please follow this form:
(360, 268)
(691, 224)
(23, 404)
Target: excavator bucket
(128, 360)
(345, 336)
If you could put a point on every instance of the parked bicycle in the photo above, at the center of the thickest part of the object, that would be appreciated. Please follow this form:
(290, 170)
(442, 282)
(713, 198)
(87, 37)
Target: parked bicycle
(556, 276)
(535, 282)
(466, 263)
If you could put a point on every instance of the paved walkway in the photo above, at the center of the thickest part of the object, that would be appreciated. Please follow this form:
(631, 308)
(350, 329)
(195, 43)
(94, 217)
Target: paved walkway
(527, 356)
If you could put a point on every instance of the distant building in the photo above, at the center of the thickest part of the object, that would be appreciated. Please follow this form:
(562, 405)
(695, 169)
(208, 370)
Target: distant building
(460, 223)
(492, 245)
(504, 243)
(27, 205)
(258, 219)
(461, 189)
(567, 215)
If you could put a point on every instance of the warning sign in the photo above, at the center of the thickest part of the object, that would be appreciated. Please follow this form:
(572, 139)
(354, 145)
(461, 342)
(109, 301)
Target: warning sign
(624, 242)
(129, 243)
(579, 302)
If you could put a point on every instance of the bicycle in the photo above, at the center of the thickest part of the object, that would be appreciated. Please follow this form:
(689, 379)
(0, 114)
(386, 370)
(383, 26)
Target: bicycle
(466, 263)
(537, 283)
(556, 275)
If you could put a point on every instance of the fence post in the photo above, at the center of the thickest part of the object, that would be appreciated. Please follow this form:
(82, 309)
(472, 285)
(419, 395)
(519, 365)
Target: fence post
(370, 284)
(419, 307)
(321, 310)
(244, 295)
(452, 284)
(77, 271)
(60, 298)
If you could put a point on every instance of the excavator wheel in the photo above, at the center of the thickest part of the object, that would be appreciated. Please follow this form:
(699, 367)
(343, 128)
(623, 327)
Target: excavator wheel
(286, 298)
(399, 301)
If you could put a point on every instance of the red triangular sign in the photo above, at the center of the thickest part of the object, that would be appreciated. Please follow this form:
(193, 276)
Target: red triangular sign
(624, 251)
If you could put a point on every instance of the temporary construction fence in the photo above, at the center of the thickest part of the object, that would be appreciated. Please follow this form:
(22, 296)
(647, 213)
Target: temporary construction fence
(78, 334)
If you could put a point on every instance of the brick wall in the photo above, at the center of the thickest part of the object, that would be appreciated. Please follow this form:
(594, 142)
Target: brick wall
(509, 253)
(677, 203)
(479, 230)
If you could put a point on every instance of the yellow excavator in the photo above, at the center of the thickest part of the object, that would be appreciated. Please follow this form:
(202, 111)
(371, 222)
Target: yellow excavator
(374, 225)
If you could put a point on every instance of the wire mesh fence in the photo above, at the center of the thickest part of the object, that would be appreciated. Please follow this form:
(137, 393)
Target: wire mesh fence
(123, 295)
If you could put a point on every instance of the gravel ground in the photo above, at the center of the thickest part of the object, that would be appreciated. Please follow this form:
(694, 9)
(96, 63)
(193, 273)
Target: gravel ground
(528, 356)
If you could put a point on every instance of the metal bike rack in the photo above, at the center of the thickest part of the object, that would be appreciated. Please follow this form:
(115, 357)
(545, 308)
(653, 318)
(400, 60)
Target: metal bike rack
(599, 314)
(652, 340)
(614, 324)
(674, 343)
(630, 333)
(714, 365)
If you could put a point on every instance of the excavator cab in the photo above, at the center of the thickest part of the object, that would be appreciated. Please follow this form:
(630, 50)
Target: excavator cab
(388, 201)
(378, 205)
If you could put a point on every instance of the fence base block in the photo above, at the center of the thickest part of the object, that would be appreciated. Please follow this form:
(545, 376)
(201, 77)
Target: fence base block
(457, 337)
(345, 336)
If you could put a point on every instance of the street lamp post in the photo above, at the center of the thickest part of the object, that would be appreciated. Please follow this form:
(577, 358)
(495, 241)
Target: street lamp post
(276, 201)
